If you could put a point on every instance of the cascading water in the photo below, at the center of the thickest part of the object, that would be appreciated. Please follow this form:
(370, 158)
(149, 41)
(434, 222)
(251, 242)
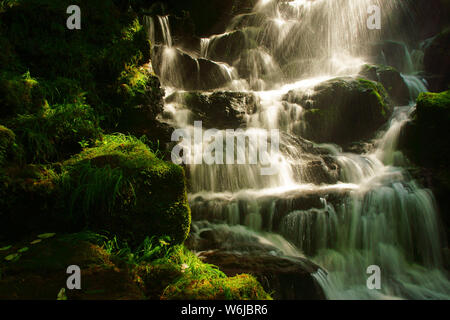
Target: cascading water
(346, 211)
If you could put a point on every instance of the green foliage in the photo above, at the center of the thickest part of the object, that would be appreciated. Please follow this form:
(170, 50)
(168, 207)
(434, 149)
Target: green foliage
(19, 94)
(204, 281)
(121, 186)
(93, 188)
(56, 132)
(9, 150)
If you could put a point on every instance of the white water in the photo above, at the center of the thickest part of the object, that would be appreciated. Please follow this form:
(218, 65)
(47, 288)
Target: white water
(374, 213)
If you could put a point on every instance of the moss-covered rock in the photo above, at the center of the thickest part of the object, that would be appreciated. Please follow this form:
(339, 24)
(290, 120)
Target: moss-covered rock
(40, 271)
(57, 131)
(343, 110)
(119, 186)
(220, 109)
(425, 142)
(36, 268)
(19, 94)
(9, 150)
(122, 187)
(391, 79)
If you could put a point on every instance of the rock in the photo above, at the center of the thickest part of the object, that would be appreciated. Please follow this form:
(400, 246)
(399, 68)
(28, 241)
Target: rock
(227, 47)
(179, 69)
(220, 110)
(394, 54)
(119, 186)
(424, 142)
(8, 147)
(391, 79)
(437, 61)
(288, 278)
(19, 95)
(40, 273)
(342, 110)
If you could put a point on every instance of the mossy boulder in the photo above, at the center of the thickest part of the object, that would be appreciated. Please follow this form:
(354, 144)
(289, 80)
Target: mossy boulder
(9, 150)
(40, 271)
(342, 110)
(391, 79)
(19, 94)
(220, 109)
(426, 134)
(424, 140)
(437, 61)
(56, 132)
(122, 187)
(119, 186)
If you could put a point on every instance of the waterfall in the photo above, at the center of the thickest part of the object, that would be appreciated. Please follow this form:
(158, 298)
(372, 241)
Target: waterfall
(345, 210)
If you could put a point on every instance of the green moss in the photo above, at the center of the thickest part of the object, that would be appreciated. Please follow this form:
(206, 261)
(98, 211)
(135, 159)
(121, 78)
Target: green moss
(19, 94)
(56, 132)
(433, 108)
(180, 274)
(146, 196)
(9, 150)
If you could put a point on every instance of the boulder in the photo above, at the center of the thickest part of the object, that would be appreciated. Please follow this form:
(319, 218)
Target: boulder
(39, 273)
(288, 278)
(8, 147)
(119, 186)
(178, 69)
(394, 54)
(391, 79)
(228, 46)
(437, 61)
(220, 110)
(342, 110)
(424, 141)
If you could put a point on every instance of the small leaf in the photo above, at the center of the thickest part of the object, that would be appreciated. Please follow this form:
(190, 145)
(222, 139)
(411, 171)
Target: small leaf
(5, 248)
(62, 294)
(12, 257)
(24, 249)
(36, 241)
(46, 235)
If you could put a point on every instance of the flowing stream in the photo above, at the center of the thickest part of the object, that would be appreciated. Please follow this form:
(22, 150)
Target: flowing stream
(367, 212)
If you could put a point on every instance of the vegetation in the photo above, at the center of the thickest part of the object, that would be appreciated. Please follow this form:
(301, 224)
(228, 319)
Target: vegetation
(64, 95)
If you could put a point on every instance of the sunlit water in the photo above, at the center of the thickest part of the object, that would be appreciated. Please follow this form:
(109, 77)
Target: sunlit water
(374, 214)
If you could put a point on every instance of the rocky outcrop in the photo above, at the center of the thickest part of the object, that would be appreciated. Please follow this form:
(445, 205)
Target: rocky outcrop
(424, 141)
(119, 186)
(437, 61)
(391, 79)
(220, 109)
(38, 271)
(342, 110)
(289, 278)
(227, 47)
(178, 69)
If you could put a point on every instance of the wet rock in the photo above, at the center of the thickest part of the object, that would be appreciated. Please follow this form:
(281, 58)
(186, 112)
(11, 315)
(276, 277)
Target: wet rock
(423, 141)
(288, 278)
(228, 46)
(437, 61)
(394, 54)
(179, 69)
(342, 110)
(221, 109)
(391, 79)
